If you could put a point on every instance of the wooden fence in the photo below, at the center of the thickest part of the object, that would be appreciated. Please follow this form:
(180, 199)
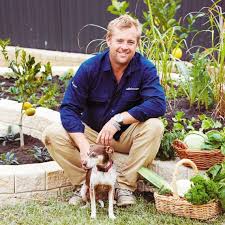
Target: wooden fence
(55, 24)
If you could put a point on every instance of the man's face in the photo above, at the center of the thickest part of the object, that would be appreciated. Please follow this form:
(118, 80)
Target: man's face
(122, 45)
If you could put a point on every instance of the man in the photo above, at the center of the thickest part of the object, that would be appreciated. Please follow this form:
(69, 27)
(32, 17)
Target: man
(114, 99)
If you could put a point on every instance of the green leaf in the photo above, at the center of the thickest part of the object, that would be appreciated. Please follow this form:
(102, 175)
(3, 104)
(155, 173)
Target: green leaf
(209, 146)
(222, 197)
(207, 124)
(178, 127)
(222, 149)
(217, 172)
(214, 136)
(154, 178)
(213, 171)
(202, 117)
(118, 8)
(171, 22)
(179, 117)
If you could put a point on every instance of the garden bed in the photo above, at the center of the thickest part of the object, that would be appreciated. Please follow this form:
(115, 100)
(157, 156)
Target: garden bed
(25, 154)
(173, 106)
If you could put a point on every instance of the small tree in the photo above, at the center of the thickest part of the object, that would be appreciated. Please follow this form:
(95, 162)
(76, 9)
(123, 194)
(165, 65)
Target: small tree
(30, 78)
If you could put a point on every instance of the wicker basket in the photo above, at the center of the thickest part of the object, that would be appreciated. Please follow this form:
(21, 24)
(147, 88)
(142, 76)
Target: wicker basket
(180, 207)
(202, 158)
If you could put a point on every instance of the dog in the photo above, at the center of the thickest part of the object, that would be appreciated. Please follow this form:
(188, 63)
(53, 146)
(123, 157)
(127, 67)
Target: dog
(100, 178)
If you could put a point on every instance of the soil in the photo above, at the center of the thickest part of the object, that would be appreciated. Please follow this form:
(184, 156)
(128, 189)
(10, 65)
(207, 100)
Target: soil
(24, 156)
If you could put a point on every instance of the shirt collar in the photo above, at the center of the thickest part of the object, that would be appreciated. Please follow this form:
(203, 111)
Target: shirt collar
(132, 67)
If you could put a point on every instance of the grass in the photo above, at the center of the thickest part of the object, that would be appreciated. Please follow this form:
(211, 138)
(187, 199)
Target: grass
(59, 212)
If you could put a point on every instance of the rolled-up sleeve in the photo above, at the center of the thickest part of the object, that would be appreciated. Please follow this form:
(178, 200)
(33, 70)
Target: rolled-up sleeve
(154, 103)
(74, 102)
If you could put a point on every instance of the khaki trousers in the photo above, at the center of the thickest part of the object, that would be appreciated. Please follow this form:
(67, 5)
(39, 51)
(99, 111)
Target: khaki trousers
(140, 141)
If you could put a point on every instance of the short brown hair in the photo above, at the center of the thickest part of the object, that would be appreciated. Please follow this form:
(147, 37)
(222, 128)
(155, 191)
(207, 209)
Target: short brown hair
(124, 21)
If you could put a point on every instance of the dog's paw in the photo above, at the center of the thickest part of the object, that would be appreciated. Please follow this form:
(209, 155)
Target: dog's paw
(85, 206)
(112, 217)
(101, 203)
(93, 216)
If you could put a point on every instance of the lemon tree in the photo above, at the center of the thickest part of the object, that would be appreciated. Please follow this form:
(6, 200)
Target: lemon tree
(30, 79)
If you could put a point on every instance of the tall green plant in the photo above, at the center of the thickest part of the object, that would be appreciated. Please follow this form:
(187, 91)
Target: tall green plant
(30, 78)
(196, 81)
(216, 21)
(163, 11)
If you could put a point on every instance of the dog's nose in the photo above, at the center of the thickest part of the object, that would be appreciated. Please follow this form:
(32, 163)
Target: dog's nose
(84, 163)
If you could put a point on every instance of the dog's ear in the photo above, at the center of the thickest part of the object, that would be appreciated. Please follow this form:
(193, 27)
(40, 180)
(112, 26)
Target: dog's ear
(109, 149)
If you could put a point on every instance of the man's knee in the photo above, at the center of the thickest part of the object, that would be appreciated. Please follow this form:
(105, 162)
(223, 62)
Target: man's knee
(48, 135)
(154, 126)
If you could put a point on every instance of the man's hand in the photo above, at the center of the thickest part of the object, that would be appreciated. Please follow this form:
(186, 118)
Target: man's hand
(105, 136)
(83, 145)
(83, 157)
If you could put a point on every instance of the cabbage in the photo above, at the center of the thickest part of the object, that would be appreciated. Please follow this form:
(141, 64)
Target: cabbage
(183, 186)
(195, 140)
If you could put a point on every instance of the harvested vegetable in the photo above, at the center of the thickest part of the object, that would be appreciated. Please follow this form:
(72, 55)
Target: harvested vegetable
(221, 196)
(217, 174)
(163, 186)
(195, 140)
(155, 179)
(183, 186)
(202, 191)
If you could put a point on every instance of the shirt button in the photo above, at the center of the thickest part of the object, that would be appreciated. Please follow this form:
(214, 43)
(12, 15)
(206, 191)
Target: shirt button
(112, 111)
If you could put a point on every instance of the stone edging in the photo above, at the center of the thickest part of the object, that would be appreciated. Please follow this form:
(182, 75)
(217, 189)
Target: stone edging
(27, 181)
(41, 180)
(56, 58)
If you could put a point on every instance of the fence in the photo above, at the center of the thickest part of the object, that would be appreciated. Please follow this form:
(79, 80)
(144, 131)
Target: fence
(55, 24)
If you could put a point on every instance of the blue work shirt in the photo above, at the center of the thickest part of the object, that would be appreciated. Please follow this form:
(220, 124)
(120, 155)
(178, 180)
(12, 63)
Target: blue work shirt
(94, 96)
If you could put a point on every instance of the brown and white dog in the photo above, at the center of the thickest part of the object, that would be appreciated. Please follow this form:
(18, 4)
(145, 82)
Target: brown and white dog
(100, 178)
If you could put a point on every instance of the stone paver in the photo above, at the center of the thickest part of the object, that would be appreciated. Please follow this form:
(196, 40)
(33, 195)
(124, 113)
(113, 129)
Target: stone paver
(29, 178)
(55, 176)
(7, 179)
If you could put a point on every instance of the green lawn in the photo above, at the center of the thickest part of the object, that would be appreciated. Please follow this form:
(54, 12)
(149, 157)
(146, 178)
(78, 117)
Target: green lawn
(57, 211)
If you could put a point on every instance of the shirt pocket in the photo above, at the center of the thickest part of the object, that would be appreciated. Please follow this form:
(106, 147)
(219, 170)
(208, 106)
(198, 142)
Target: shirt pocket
(129, 99)
(131, 96)
(98, 100)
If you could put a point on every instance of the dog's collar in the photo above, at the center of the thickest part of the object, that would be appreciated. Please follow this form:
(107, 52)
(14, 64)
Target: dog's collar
(105, 168)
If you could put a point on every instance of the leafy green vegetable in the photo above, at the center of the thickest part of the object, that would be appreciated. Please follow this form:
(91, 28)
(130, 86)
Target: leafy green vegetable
(195, 139)
(223, 149)
(165, 151)
(156, 180)
(217, 174)
(211, 140)
(214, 172)
(214, 136)
(202, 191)
(221, 196)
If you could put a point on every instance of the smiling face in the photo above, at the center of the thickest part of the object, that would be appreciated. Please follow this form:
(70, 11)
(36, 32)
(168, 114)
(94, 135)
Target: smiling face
(122, 45)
